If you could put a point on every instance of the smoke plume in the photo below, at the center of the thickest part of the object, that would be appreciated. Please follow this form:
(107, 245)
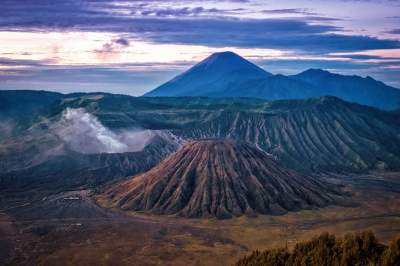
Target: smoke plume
(84, 133)
(6, 129)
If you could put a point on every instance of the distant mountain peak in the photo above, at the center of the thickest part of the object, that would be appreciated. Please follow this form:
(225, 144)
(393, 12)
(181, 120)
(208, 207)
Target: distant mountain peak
(214, 75)
(315, 71)
(229, 60)
(372, 79)
(226, 56)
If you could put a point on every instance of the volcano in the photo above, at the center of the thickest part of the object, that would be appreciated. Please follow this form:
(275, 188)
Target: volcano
(222, 179)
(212, 76)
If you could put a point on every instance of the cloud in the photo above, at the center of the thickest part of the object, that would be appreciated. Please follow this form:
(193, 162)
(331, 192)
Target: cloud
(122, 41)
(6, 127)
(83, 132)
(303, 11)
(318, 19)
(132, 79)
(111, 49)
(179, 12)
(395, 31)
(181, 25)
(4, 61)
(256, 33)
(367, 57)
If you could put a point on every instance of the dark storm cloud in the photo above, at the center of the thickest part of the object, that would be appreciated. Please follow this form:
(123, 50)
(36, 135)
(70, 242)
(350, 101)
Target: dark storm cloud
(265, 33)
(183, 27)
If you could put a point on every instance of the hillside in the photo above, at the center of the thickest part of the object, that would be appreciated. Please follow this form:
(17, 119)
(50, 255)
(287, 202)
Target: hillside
(313, 135)
(220, 178)
(16, 104)
(325, 134)
(353, 249)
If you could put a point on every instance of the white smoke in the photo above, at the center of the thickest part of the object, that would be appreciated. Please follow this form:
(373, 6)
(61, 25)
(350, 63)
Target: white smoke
(84, 133)
(6, 129)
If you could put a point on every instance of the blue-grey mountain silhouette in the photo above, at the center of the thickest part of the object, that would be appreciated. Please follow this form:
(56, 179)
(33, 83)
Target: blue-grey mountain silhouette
(227, 74)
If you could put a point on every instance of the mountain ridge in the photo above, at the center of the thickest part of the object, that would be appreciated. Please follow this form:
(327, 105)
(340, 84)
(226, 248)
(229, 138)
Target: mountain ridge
(325, 134)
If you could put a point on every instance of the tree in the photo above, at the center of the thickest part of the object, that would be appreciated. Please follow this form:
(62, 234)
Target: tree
(327, 250)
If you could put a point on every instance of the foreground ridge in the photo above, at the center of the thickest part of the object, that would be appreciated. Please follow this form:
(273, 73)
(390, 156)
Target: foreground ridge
(326, 249)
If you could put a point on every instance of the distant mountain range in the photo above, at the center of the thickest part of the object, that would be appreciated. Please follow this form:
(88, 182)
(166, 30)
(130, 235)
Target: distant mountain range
(226, 74)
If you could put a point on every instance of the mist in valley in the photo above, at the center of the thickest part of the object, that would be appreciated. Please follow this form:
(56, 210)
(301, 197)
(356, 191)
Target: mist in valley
(84, 133)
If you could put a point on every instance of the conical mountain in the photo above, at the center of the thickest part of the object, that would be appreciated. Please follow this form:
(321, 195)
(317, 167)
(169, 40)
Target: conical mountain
(220, 178)
(214, 75)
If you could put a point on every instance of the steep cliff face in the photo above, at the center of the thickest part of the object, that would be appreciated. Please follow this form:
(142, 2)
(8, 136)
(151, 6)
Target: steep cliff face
(220, 178)
(325, 134)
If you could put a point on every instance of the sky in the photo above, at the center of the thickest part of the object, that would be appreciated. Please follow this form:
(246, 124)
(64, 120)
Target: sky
(131, 47)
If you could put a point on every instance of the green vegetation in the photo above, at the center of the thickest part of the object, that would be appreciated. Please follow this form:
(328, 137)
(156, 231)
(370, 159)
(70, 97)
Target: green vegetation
(352, 249)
